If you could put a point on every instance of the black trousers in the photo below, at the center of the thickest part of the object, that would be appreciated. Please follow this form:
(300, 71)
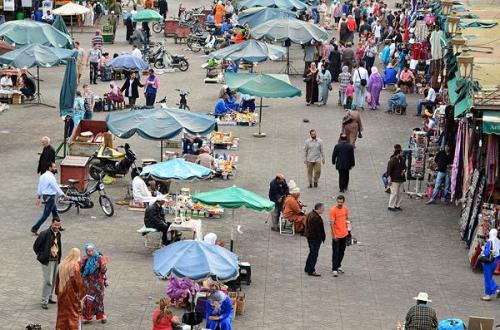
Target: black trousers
(338, 249)
(163, 227)
(343, 179)
(93, 72)
(314, 246)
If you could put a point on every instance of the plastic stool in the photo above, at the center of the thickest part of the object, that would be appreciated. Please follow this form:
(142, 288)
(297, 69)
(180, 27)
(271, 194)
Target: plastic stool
(246, 272)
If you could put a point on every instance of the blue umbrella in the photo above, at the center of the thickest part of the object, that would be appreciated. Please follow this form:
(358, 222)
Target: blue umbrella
(284, 4)
(128, 62)
(68, 88)
(176, 169)
(195, 260)
(258, 15)
(60, 25)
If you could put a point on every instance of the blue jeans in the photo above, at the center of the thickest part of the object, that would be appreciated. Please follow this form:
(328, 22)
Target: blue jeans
(385, 180)
(150, 99)
(441, 178)
(314, 246)
(50, 207)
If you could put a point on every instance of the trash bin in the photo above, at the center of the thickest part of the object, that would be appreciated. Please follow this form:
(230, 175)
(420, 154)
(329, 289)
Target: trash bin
(19, 16)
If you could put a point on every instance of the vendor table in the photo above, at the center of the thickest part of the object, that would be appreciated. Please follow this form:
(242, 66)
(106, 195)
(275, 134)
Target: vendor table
(190, 225)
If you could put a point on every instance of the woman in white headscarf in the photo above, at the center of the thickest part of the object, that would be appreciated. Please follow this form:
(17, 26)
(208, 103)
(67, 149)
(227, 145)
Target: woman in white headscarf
(492, 246)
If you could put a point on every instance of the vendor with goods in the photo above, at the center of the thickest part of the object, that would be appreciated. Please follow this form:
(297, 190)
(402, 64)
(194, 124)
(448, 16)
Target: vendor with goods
(221, 107)
(205, 159)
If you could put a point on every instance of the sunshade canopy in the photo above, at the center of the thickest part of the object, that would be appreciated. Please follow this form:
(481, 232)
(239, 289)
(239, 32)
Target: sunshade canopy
(71, 8)
(195, 260)
(258, 15)
(158, 124)
(292, 29)
(36, 55)
(128, 62)
(27, 32)
(60, 25)
(491, 122)
(234, 198)
(284, 4)
(176, 169)
(68, 88)
(250, 50)
(147, 15)
(261, 85)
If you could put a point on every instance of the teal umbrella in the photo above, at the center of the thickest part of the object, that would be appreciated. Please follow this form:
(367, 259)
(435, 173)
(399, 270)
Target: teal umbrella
(284, 4)
(39, 56)
(250, 50)
(60, 25)
(68, 88)
(147, 15)
(258, 15)
(27, 32)
(233, 198)
(261, 85)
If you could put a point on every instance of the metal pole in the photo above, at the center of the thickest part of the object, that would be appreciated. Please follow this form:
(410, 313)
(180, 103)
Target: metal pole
(232, 231)
(260, 134)
(161, 150)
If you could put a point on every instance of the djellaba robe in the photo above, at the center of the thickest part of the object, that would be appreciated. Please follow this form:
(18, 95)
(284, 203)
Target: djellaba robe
(292, 211)
(68, 302)
(95, 283)
(225, 314)
(312, 88)
(335, 64)
(353, 129)
(375, 85)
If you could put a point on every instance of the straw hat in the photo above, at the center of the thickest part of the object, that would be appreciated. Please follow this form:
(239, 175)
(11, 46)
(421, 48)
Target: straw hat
(422, 296)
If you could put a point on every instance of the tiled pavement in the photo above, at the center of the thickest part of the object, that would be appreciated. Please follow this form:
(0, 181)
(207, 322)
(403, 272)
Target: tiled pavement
(400, 253)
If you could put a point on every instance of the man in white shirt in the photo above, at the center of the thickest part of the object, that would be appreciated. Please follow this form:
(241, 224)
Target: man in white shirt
(48, 17)
(140, 191)
(136, 51)
(429, 101)
(360, 80)
(6, 81)
(48, 191)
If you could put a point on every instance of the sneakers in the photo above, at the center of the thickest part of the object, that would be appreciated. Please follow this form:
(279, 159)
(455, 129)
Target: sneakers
(315, 185)
(335, 273)
(486, 298)
(44, 306)
(314, 274)
(391, 209)
(397, 208)
(340, 270)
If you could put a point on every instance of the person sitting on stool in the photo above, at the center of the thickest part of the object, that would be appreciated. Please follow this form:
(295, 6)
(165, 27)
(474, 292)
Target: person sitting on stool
(28, 87)
(48, 17)
(428, 102)
(188, 142)
(154, 217)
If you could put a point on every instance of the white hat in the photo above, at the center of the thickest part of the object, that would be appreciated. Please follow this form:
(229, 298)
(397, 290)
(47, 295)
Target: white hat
(422, 296)
(292, 186)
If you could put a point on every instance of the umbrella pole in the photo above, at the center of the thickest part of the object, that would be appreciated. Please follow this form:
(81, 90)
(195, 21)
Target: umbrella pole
(71, 27)
(161, 150)
(260, 134)
(232, 231)
(38, 94)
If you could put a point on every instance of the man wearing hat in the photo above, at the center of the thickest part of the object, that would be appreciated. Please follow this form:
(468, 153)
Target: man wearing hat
(292, 210)
(154, 217)
(421, 316)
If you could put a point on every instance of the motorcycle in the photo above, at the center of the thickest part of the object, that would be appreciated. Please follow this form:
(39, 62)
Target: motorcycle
(209, 42)
(82, 200)
(162, 58)
(108, 161)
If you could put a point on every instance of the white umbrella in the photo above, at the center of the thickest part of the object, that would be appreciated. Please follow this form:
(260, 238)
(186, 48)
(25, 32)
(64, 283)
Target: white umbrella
(71, 9)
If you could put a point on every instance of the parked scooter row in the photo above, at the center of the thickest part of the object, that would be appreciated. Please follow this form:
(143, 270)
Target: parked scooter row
(208, 42)
(161, 58)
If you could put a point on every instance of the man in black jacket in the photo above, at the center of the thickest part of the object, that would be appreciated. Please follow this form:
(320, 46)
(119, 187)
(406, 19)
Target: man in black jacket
(154, 217)
(315, 234)
(47, 157)
(163, 8)
(396, 171)
(343, 159)
(132, 92)
(278, 190)
(47, 248)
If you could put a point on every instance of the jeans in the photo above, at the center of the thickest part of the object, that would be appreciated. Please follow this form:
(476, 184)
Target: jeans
(312, 257)
(369, 63)
(50, 207)
(385, 180)
(150, 99)
(342, 98)
(343, 179)
(359, 96)
(49, 281)
(93, 72)
(441, 178)
(338, 249)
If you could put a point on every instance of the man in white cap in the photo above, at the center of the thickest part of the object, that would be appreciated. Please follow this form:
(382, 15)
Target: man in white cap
(292, 209)
(421, 316)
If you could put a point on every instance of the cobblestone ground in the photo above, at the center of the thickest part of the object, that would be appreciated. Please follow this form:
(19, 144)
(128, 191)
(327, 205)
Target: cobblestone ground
(400, 253)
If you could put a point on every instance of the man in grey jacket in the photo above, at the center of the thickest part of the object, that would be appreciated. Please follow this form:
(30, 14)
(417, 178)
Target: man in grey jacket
(314, 157)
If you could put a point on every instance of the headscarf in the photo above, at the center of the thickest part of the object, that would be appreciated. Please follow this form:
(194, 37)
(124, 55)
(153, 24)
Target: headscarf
(219, 296)
(68, 268)
(91, 264)
(375, 71)
(345, 69)
(493, 238)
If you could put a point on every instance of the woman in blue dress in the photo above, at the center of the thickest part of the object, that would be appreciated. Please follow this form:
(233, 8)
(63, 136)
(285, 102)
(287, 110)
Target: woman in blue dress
(492, 246)
(219, 312)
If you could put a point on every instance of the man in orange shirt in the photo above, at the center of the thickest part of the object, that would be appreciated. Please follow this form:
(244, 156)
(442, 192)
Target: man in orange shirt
(339, 216)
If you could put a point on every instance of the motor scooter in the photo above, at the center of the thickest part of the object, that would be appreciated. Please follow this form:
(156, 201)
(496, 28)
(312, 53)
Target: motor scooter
(112, 162)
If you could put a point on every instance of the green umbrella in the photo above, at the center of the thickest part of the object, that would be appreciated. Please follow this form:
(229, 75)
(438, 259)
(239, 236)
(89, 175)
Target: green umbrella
(60, 25)
(27, 32)
(261, 85)
(234, 198)
(147, 15)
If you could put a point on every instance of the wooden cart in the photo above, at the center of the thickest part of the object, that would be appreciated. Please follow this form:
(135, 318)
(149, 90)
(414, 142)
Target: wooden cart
(170, 27)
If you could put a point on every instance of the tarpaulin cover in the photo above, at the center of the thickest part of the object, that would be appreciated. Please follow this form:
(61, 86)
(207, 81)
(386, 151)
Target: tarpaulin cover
(37, 55)
(284, 4)
(261, 85)
(196, 260)
(258, 15)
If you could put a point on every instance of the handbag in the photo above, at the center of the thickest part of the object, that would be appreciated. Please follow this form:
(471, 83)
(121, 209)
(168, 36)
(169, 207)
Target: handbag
(308, 79)
(362, 81)
(487, 259)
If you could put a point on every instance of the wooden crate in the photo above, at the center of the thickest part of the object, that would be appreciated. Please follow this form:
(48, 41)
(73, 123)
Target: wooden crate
(17, 98)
